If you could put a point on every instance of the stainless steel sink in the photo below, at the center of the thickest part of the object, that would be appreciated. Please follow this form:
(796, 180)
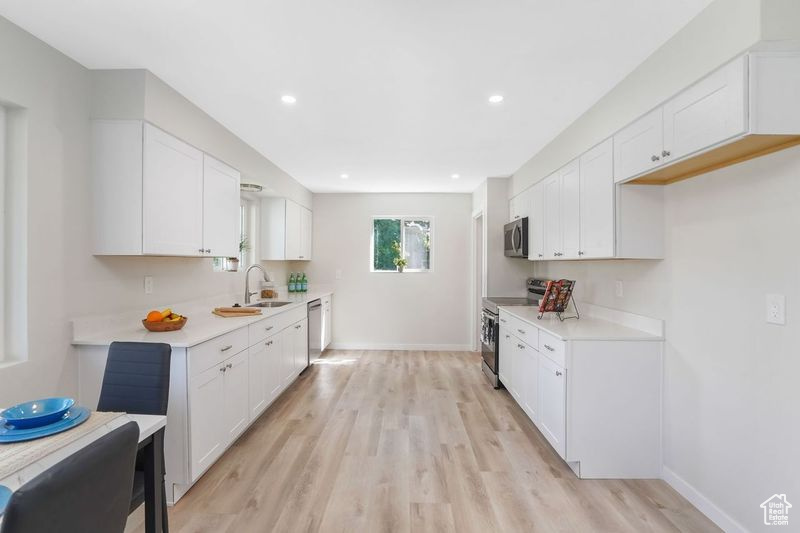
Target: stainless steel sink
(268, 304)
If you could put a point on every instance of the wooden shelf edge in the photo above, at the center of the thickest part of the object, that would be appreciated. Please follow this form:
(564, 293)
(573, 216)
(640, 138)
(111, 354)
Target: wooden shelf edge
(738, 151)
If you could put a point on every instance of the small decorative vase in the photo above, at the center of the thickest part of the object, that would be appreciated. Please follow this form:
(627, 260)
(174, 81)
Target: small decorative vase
(233, 264)
(400, 268)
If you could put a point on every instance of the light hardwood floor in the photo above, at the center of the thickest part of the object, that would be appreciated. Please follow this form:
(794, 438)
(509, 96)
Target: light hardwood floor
(410, 441)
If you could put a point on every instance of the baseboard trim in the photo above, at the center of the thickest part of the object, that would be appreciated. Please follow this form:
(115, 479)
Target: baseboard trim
(703, 504)
(402, 347)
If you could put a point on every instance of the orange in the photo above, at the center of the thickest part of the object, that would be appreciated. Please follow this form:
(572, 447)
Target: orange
(155, 316)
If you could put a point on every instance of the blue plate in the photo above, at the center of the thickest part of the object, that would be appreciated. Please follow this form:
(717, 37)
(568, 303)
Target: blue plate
(5, 495)
(74, 417)
(37, 413)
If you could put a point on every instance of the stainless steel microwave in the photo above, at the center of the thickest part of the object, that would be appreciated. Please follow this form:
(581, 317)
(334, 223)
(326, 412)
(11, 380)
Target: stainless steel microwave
(516, 238)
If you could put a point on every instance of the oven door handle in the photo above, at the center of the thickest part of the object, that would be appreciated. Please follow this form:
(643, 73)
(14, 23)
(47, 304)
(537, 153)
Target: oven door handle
(517, 237)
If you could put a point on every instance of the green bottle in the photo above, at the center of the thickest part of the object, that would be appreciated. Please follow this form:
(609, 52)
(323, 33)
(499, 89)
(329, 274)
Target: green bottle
(292, 283)
(304, 283)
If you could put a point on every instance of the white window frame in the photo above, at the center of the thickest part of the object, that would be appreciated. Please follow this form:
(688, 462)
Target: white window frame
(402, 219)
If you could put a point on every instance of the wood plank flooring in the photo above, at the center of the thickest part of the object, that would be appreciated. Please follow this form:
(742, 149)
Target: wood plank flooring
(410, 441)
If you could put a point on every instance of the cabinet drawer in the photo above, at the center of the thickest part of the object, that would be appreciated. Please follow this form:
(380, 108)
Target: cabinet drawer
(210, 353)
(268, 327)
(527, 333)
(555, 349)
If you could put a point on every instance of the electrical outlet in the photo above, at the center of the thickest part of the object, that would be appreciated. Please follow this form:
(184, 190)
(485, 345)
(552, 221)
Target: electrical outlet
(148, 284)
(776, 309)
(338, 273)
(619, 289)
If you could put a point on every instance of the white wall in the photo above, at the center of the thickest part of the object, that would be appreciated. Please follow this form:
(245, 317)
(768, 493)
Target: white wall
(65, 280)
(391, 310)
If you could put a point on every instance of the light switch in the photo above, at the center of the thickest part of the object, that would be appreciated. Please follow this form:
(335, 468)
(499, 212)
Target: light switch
(148, 284)
(776, 309)
(620, 292)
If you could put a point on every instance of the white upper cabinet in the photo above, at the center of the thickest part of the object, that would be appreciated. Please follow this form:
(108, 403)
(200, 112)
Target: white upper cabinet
(172, 190)
(157, 195)
(536, 223)
(520, 205)
(221, 200)
(637, 148)
(552, 216)
(597, 202)
(710, 111)
(570, 210)
(285, 230)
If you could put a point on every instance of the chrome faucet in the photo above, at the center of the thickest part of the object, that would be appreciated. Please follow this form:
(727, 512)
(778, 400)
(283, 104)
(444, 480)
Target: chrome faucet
(247, 293)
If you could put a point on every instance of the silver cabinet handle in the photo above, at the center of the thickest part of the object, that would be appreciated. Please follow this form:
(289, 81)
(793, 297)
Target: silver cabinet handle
(503, 320)
(521, 331)
(549, 347)
(558, 372)
(580, 253)
(208, 250)
(268, 343)
(225, 349)
(665, 153)
(300, 257)
(201, 251)
(229, 365)
(654, 158)
(268, 328)
(222, 369)
(508, 336)
(521, 346)
(298, 326)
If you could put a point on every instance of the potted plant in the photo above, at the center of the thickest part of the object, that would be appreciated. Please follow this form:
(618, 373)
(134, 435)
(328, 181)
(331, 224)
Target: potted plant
(233, 262)
(400, 263)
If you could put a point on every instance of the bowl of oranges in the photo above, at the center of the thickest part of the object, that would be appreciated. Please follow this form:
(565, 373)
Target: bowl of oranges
(165, 320)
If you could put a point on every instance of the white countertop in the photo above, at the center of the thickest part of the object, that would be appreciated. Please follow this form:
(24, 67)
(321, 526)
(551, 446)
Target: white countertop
(201, 326)
(584, 329)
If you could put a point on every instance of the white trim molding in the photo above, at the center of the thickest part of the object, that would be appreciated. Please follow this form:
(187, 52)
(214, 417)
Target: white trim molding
(401, 347)
(702, 502)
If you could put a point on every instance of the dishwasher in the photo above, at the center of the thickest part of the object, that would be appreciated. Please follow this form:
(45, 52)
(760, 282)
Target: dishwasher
(314, 330)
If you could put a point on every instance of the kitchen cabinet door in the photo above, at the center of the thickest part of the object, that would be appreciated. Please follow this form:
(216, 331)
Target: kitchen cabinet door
(221, 201)
(638, 147)
(300, 346)
(597, 202)
(570, 210)
(709, 112)
(505, 346)
(529, 393)
(293, 230)
(237, 401)
(536, 223)
(259, 379)
(206, 410)
(275, 365)
(287, 356)
(552, 216)
(305, 234)
(553, 403)
(172, 196)
(327, 322)
(516, 348)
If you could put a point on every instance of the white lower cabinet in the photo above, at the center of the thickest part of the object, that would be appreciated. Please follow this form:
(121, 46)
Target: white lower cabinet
(604, 421)
(237, 411)
(553, 403)
(206, 395)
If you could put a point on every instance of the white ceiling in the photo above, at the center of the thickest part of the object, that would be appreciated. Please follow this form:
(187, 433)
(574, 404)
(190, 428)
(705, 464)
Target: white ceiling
(392, 92)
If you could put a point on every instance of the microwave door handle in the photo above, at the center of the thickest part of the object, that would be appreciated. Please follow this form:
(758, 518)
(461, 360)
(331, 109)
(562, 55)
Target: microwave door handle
(517, 235)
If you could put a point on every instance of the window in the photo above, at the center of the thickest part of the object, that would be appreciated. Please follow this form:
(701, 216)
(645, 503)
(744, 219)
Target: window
(402, 243)
(247, 232)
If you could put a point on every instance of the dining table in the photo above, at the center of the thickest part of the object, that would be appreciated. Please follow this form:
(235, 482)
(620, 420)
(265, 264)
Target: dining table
(151, 443)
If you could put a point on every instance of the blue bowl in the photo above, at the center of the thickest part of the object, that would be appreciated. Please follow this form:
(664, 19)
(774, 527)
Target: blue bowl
(37, 413)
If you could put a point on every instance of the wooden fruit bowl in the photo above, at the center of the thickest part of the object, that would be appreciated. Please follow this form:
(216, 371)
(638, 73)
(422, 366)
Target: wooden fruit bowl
(159, 327)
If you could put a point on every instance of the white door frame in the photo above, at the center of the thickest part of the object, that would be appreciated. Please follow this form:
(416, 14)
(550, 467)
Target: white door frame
(480, 214)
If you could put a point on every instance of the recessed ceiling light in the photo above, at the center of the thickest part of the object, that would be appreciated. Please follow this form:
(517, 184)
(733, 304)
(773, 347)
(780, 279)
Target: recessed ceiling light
(288, 99)
(496, 99)
(455, 176)
(344, 176)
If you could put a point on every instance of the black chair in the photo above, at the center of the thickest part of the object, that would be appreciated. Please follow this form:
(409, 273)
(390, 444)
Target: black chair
(136, 381)
(88, 492)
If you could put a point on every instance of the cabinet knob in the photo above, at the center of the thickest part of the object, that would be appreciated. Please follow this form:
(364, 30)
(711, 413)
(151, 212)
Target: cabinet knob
(521, 331)
(268, 328)
(503, 320)
(208, 250)
(541, 255)
(549, 347)
(558, 372)
(508, 336)
(229, 365)
(268, 343)
(521, 346)
(665, 153)
(580, 253)
(226, 348)
(654, 158)
(222, 369)
(201, 251)
(298, 326)
(300, 257)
